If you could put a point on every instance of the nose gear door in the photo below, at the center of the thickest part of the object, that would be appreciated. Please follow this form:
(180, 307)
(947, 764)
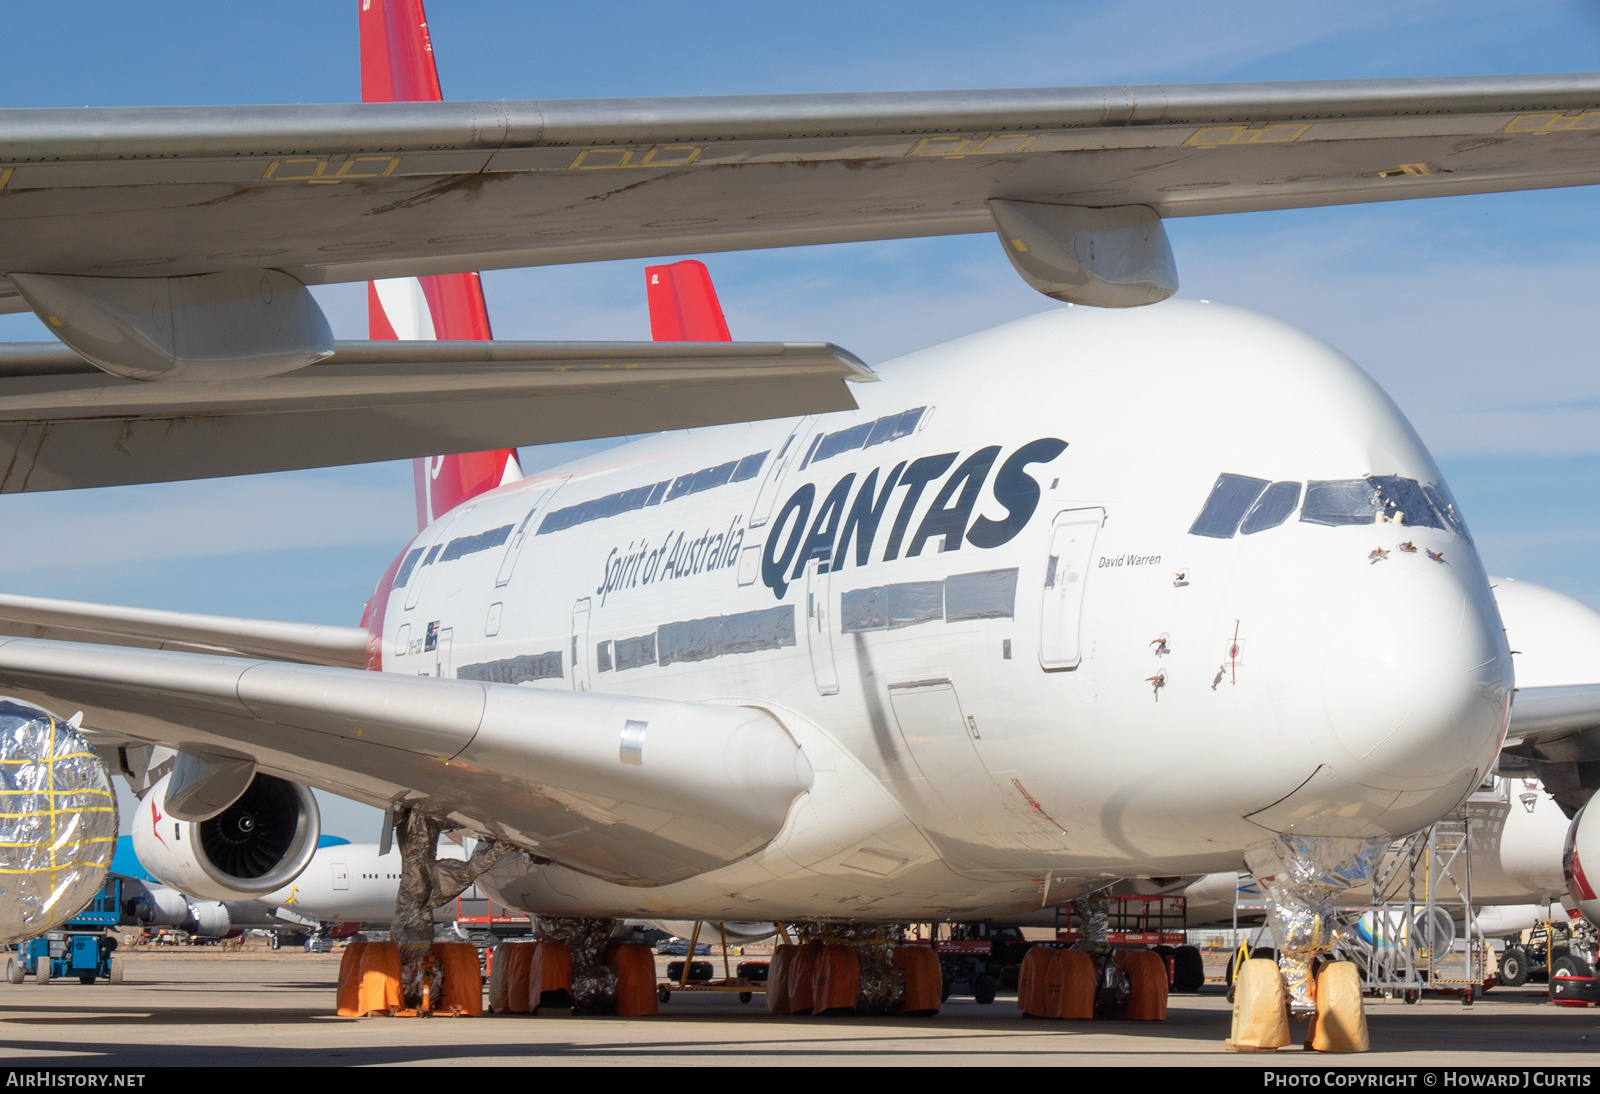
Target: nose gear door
(1072, 536)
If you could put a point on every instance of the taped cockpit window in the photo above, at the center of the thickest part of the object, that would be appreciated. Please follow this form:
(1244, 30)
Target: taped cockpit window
(514, 670)
(988, 594)
(1445, 505)
(1231, 497)
(406, 567)
(633, 652)
(1272, 508)
(1404, 501)
(1336, 502)
(471, 545)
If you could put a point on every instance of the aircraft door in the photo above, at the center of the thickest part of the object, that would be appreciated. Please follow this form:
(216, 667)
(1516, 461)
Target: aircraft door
(819, 627)
(526, 530)
(1072, 536)
(777, 465)
(341, 875)
(441, 664)
(580, 645)
(419, 576)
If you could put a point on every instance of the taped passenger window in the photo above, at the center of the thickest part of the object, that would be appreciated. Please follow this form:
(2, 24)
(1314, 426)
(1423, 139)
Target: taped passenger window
(1272, 508)
(1231, 497)
(633, 652)
(406, 567)
(990, 594)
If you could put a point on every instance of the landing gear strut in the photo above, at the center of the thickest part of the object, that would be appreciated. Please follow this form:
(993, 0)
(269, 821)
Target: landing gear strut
(426, 884)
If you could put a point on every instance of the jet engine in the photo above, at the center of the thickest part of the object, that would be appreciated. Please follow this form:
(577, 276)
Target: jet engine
(1582, 852)
(259, 843)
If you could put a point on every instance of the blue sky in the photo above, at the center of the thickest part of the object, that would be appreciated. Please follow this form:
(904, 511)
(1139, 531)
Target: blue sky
(1476, 313)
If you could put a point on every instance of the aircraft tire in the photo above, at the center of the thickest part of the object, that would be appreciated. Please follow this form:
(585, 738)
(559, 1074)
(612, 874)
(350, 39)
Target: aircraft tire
(1513, 967)
(1188, 969)
(1568, 965)
(746, 996)
(983, 989)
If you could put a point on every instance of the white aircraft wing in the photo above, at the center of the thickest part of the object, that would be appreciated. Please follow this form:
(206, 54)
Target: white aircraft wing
(65, 423)
(354, 192)
(110, 624)
(640, 791)
(1555, 733)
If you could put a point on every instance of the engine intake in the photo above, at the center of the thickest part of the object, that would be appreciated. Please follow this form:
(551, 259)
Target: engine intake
(259, 843)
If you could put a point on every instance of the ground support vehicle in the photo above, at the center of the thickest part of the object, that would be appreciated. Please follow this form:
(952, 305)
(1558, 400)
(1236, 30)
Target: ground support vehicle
(979, 959)
(82, 948)
(690, 975)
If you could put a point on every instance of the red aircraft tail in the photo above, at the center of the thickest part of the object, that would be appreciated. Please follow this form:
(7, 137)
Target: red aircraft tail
(683, 304)
(397, 66)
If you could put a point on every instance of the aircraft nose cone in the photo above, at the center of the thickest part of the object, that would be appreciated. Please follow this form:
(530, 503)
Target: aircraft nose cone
(1417, 672)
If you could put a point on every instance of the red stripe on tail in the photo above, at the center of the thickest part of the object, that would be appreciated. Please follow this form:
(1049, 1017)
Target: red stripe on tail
(397, 66)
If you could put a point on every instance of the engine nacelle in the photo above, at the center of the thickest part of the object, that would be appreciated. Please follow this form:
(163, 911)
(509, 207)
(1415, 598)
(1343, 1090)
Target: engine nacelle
(259, 843)
(1583, 847)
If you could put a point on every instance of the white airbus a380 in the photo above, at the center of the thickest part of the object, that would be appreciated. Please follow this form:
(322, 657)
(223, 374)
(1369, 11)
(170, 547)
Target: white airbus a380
(1113, 591)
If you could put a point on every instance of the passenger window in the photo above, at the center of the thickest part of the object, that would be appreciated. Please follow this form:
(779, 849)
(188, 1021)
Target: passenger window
(1272, 508)
(1231, 497)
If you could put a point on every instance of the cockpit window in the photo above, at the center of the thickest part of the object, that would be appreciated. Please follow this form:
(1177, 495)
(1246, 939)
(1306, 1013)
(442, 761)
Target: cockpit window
(1231, 497)
(1272, 508)
(1445, 505)
(1336, 502)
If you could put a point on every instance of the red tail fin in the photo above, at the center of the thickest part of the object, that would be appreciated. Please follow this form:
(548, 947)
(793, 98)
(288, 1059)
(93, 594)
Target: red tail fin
(683, 304)
(397, 66)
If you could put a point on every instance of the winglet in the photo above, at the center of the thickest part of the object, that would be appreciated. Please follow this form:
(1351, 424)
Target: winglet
(397, 65)
(683, 304)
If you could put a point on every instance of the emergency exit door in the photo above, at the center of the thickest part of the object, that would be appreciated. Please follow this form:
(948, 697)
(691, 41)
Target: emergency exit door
(1066, 572)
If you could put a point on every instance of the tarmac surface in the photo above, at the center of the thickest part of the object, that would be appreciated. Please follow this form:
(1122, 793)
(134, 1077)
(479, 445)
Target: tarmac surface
(277, 1009)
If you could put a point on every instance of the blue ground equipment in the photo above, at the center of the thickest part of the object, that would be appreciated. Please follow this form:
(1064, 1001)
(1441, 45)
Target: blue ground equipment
(82, 948)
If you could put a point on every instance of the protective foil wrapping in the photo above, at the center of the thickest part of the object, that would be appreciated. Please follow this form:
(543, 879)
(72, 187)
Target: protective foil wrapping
(883, 987)
(1094, 918)
(58, 822)
(1303, 877)
(594, 983)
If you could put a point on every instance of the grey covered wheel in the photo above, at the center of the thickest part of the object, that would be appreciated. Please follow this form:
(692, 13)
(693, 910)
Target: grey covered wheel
(41, 971)
(14, 973)
(115, 972)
